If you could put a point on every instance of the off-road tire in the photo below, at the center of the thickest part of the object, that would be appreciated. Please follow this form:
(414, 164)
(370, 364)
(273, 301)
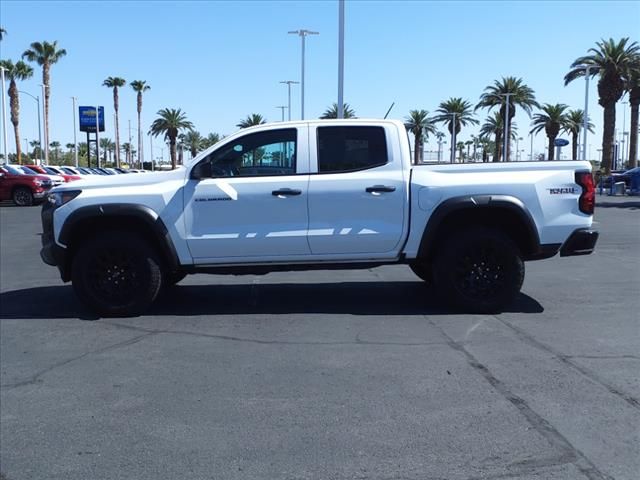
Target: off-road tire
(22, 197)
(479, 270)
(116, 274)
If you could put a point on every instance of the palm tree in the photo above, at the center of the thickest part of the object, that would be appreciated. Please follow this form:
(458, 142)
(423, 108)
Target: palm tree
(55, 145)
(420, 125)
(170, 122)
(633, 87)
(468, 144)
(610, 60)
(45, 54)
(193, 141)
(115, 83)
(140, 86)
(458, 109)
(106, 145)
(129, 152)
(210, 140)
(573, 125)
(519, 94)
(552, 121)
(37, 151)
(332, 112)
(251, 120)
(16, 72)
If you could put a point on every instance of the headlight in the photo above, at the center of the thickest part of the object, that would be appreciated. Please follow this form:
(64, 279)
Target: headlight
(37, 183)
(57, 199)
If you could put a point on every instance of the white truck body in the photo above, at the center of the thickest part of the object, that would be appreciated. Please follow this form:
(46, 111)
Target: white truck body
(365, 215)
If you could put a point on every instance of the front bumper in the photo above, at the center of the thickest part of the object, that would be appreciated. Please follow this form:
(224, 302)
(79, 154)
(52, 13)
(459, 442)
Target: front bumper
(52, 253)
(580, 242)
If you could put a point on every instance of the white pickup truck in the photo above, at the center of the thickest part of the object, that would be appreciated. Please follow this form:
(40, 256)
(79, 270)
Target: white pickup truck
(322, 194)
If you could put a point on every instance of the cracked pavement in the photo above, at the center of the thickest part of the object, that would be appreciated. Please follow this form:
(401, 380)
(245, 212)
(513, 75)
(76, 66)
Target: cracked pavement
(332, 375)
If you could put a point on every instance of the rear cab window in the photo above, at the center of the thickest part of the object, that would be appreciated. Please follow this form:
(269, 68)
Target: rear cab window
(342, 149)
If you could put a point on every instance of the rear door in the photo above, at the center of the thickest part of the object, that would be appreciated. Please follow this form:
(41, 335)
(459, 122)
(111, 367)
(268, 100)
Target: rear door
(357, 191)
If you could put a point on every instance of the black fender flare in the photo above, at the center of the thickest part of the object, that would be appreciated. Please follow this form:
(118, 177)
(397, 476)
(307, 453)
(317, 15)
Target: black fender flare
(142, 213)
(473, 202)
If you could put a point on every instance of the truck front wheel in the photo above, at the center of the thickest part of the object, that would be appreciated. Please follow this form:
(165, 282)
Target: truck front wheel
(116, 274)
(479, 269)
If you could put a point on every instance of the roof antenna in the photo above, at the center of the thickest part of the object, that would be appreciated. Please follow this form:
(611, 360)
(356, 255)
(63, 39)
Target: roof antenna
(388, 111)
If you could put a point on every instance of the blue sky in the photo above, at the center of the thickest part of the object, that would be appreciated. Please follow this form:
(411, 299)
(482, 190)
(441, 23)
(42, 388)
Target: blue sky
(220, 61)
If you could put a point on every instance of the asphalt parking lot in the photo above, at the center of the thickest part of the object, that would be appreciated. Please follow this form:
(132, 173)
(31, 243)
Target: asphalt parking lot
(325, 375)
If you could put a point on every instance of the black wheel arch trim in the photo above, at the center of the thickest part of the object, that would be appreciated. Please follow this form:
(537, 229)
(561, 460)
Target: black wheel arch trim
(470, 202)
(110, 210)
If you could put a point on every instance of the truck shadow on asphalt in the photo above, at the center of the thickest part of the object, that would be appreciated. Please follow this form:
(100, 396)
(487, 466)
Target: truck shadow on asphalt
(350, 298)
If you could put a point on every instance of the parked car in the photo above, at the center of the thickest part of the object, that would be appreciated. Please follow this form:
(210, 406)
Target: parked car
(47, 170)
(23, 189)
(619, 176)
(55, 179)
(334, 194)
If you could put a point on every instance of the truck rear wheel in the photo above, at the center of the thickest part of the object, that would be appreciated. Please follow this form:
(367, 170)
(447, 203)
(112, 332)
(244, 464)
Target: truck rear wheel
(117, 274)
(479, 269)
(22, 197)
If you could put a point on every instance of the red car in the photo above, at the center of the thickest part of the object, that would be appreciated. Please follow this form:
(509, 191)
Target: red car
(23, 189)
(54, 171)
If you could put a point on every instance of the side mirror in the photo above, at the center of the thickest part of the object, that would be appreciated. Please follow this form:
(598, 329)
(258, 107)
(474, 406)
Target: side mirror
(202, 170)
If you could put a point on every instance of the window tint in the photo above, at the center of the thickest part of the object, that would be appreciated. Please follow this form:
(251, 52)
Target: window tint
(345, 149)
(264, 153)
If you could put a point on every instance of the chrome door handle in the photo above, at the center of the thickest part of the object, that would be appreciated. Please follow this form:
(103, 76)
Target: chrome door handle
(380, 189)
(286, 191)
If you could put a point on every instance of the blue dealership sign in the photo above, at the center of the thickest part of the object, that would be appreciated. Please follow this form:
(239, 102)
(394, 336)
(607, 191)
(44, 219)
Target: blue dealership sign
(561, 142)
(87, 117)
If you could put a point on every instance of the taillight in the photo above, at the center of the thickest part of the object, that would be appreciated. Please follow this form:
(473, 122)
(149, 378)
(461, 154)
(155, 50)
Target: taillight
(587, 200)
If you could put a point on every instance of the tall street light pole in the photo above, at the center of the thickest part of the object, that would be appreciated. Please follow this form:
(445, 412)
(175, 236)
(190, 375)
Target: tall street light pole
(302, 33)
(505, 141)
(585, 120)
(37, 99)
(75, 140)
(453, 136)
(282, 109)
(4, 119)
(341, 59)
(46, 135)
(289, 83)
(531, 154)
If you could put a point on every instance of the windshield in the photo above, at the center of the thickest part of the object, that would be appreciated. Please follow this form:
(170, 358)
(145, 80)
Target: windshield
(28, 171)
(13, 170)
(51, 170)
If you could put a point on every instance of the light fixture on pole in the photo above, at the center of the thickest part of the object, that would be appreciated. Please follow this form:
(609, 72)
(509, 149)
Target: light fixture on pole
(37, 99)
(282, 109)
(505, 140)
(302, 33)
(341, 59)
(75, 140)
(289, 83)
(4, 120)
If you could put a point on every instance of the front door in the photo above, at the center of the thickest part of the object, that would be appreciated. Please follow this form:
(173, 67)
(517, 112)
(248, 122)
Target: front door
(254, 207)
